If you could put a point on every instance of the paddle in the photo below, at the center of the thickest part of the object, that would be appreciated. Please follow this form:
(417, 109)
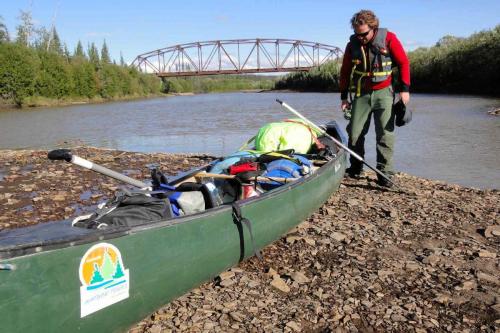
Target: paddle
(259, 178)
(66, 155)
(337, 142)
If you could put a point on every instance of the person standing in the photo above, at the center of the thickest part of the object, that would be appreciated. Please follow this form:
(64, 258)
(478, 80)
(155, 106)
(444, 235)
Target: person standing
(366, 72)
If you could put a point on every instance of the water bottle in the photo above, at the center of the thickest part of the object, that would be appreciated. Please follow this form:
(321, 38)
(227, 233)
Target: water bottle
(214, 192)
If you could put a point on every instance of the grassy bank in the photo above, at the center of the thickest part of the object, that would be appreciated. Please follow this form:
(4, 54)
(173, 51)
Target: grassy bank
(39, 101)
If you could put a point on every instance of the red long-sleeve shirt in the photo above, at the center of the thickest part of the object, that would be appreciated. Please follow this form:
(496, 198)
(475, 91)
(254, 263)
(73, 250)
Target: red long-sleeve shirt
(398, 55)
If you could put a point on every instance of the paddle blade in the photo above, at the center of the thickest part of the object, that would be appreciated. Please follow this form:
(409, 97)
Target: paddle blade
(60, 154)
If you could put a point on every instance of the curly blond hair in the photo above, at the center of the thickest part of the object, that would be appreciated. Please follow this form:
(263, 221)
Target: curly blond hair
(364, 17)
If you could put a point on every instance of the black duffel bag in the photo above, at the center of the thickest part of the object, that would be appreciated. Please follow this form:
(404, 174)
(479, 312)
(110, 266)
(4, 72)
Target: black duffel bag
(127, 210)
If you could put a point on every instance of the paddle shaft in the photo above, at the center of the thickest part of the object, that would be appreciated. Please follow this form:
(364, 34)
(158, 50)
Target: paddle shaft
(337, 142)
(105, 171)
(259, 178)
(66, 155)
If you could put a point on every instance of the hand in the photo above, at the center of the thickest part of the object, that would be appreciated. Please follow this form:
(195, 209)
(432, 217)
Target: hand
(345, 105)
(405, 97)
(346, 109)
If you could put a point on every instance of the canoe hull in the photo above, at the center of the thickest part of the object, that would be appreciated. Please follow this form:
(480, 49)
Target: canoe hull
(163, 261)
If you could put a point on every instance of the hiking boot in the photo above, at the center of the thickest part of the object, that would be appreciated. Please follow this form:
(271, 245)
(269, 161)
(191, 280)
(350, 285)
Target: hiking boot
(354, 173)
(381, 181)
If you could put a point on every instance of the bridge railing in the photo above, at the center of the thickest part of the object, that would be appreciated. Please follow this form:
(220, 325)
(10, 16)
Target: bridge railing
(236, 56)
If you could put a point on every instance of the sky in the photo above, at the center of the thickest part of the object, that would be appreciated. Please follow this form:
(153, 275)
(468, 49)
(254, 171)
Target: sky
(135, 27)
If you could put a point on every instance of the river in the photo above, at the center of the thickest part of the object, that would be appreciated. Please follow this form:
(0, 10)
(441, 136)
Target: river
(451, 138)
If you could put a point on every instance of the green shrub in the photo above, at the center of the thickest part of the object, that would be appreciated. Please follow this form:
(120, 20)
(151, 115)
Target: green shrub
(18, 68)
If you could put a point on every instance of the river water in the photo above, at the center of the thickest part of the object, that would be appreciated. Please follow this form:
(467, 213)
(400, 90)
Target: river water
(451, 138)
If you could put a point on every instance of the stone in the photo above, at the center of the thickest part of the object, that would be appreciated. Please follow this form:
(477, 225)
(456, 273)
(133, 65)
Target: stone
(253, 284)
(398, 317)
(280, 284)
(384, 273)
(339, 237)
(442, 299)
(155, 329)
(299, 277)
(226, 275)
(237, 316)
(432, 260)
(227, 283)
(271, 272)
(487, 254)
(294, 326)
(292, 239)
(59, 197)
(468, 285)
(487, 278)
(411, 266)
(352, 202)
(309, 241)
(492, 231)
(209, 325)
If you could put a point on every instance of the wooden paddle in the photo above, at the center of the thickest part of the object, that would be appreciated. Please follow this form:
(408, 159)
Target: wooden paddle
(259, 178)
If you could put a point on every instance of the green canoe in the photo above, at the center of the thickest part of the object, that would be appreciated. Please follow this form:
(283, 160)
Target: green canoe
(58, 278)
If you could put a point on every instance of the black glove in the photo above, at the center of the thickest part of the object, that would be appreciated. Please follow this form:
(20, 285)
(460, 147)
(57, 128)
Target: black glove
(402, 114)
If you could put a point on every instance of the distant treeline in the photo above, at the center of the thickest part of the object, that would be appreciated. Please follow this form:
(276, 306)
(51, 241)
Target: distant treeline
(459, 65)
(218, 83)
(453, 65)
(323, 78)
(36, 66)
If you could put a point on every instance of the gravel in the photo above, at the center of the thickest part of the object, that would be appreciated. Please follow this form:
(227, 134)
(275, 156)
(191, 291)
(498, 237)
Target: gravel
(424, 258)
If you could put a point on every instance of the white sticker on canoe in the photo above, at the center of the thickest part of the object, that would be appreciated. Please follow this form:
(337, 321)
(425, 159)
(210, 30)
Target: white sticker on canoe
(104, 279)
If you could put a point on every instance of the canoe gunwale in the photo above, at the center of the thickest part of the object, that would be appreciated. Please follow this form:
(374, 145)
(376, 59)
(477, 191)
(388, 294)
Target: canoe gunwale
(242, 203)
(80, 236)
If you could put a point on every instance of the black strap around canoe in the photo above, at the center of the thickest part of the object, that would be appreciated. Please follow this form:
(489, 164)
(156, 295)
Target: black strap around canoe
(239, 220)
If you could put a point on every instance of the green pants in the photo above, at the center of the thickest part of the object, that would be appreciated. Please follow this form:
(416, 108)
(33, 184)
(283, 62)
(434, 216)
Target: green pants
(378, 103)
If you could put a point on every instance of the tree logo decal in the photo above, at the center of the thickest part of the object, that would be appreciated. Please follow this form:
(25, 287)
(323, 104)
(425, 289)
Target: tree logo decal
(104, 279)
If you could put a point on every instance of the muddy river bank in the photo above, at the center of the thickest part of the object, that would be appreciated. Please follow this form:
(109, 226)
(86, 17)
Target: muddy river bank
(422, 259)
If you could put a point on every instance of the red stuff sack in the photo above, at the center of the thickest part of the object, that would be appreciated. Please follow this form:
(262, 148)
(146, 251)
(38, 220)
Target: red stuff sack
(243, 167)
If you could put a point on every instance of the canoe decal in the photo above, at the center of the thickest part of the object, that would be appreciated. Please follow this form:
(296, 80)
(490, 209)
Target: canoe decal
(104, 279)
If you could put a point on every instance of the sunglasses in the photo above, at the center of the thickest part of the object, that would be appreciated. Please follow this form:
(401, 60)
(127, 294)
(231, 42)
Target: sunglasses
(363, 34)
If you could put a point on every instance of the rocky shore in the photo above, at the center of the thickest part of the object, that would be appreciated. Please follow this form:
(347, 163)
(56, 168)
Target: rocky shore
(425, 258)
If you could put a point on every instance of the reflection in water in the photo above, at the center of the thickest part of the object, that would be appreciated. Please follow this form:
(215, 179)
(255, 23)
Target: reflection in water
(451, 138)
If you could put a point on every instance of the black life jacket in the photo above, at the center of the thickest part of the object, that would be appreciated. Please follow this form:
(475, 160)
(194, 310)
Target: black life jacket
(378, 65)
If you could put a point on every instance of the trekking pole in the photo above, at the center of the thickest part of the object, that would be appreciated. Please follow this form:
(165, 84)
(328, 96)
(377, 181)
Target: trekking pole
(66, 155)
(337, 142)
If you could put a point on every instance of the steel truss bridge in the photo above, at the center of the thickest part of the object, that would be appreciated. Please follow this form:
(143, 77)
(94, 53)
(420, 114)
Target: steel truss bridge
(236, 56)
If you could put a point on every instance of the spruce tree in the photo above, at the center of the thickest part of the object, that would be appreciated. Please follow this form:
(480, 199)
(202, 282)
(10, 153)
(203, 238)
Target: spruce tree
(54, 43)
(105, 58)
(93, 54)
(79, 50)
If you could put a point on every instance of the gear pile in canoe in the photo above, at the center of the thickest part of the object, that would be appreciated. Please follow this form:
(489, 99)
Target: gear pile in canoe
(148, 245)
